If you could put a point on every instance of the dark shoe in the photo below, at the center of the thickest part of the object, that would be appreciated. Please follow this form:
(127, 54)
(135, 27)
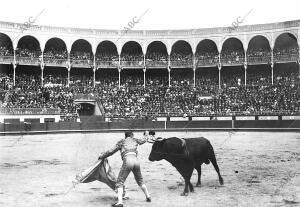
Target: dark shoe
(148, 199)
(117, 205)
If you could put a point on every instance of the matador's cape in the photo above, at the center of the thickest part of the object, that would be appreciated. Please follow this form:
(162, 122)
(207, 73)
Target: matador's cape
(100, 171)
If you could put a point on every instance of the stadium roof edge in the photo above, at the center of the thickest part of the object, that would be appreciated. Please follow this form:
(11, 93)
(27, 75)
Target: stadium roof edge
(240, 28)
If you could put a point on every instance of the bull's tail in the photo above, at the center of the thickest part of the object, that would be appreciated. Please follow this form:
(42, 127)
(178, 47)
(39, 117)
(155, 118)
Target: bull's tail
(212, 158)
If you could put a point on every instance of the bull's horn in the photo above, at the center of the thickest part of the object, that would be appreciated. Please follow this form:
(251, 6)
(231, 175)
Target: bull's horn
(151, 139)
(160, 139)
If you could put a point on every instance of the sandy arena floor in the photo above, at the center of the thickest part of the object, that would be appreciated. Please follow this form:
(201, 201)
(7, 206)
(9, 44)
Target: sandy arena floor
(259, 169)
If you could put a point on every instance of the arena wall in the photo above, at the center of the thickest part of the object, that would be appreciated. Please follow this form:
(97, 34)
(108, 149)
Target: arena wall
(223, 125)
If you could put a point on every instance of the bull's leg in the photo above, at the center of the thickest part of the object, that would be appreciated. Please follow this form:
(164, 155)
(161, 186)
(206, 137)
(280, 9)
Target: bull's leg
(186, 182)
(187, 177)
(214, 162)
(198, 168)
(186, 173)
(191, 186)
(189, 180)
(186, 188)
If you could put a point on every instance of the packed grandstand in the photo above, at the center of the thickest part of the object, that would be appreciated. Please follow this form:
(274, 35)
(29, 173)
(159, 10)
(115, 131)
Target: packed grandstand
(259, 80)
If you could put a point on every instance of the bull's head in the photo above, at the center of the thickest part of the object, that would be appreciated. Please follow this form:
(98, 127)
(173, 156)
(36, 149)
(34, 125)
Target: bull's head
(157, 151)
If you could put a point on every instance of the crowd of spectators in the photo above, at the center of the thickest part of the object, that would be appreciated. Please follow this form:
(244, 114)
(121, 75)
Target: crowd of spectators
(259, 99)
(182, 77)
(55, 79)
(107, 78)
(104, 59)
(132, 60)
(6, 81)
(232, 77)
(81, 58)
(132, 79)
(232, 57)
(284, 77)
(53, 55)
(184, 58)
(181, 97)
(132, 57)
(156, 59)
(259, 77)
(286, 54)
(103, 56)
(205, 100)
(157, 78)
(28, 55)
(132, 99)
(208, 58)
(28, 94)
(181, 59)
(208, 77)
(4, 51)
(260, 55)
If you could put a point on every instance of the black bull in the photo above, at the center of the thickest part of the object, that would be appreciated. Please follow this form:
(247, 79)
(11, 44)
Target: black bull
(186, 155)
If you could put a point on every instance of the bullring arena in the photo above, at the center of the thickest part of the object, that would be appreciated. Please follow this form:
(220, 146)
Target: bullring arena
(259, 169)
(68, 94)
